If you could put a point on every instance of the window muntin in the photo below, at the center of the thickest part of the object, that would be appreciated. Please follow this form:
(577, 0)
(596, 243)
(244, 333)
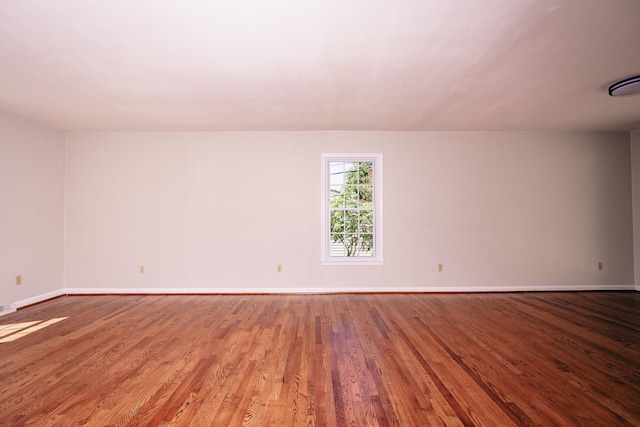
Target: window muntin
(352, 210)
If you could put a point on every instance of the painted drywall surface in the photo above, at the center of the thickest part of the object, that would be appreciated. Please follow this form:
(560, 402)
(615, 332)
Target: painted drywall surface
(31, 208)
(635, 167)
(222, 210)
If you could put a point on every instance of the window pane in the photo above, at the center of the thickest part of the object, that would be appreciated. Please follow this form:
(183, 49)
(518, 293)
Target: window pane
(351, 173)
(336, 173)
(366, 196)
(336, 246)
(337, 196)
(351, 196)
(345, 245)
(337, 221)
(365, 246)
(366, 222)
(351, 244)
(365, 173)
(351, 221)
(350, 168)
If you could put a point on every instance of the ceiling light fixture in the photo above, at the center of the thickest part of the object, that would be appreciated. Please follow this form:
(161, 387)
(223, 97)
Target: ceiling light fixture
(624, 87)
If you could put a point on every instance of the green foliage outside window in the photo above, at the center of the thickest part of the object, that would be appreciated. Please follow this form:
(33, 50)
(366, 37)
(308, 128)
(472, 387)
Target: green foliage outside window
(351, 209)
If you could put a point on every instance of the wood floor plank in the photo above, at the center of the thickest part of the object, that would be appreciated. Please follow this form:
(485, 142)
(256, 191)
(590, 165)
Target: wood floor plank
(324, 360)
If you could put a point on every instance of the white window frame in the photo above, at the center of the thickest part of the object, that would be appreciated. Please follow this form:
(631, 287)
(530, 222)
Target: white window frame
(376, 159)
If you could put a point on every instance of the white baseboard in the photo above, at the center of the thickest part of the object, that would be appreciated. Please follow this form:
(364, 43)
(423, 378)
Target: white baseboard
(332, 290)
(38, 298)
(7, 308)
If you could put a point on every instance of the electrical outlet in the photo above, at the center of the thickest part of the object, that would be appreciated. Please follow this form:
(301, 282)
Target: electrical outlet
(600, 266)
(440, 267)
(19, 279)
(142, 269)
(279, 268)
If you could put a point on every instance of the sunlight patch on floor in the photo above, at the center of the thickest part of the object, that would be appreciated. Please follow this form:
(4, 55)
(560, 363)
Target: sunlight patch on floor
(13, 331)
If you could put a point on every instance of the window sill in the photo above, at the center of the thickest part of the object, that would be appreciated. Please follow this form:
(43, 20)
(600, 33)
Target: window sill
(353, 262)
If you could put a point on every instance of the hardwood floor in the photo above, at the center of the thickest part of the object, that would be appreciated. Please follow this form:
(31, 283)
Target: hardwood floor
(335, 360)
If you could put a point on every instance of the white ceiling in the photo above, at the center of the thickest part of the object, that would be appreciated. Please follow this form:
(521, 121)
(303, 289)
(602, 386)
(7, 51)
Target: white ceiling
(320, 64)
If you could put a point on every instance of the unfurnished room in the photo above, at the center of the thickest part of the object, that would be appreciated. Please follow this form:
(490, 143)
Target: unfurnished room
(319, 213)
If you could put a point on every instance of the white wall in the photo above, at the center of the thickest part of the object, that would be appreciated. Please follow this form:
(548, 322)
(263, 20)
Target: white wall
(31, 209)
(219, 211)
(635, 166)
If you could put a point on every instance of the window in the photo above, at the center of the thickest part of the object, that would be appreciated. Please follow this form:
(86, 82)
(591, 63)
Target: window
(352, 209)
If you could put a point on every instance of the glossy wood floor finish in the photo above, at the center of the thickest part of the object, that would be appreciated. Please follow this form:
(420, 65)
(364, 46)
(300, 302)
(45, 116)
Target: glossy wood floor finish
(336, 360)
